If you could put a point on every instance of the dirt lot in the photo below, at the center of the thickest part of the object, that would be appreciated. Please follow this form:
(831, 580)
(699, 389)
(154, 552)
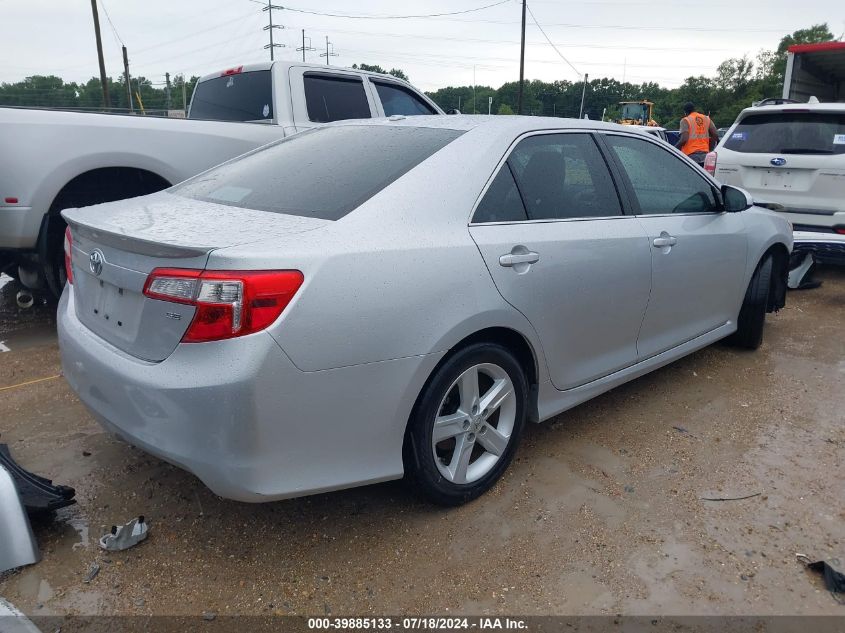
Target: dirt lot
(600, 513)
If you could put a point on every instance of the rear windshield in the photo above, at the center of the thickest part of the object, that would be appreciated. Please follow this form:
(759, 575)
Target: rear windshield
(238, 97)
(789, 133)
(322, 173)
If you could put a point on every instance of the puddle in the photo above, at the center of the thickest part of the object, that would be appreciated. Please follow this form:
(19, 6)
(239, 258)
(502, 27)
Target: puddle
(35, 588)
(81, 527)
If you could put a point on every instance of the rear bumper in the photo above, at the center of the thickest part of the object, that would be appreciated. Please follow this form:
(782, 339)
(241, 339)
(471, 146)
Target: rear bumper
(241, 417)
(19, 227)
(827, 248)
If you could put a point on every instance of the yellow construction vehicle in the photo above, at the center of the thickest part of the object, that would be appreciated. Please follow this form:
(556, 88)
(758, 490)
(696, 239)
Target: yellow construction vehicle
(637, 113)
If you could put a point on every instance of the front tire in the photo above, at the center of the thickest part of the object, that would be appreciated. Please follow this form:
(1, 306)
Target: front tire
(752, 314)
(466, 424)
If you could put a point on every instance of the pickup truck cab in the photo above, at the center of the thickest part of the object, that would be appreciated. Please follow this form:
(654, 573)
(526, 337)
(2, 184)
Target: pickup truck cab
(53, 160)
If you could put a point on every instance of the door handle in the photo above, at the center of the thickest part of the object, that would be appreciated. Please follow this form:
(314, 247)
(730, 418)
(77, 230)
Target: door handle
(512, 259)
(664, 240)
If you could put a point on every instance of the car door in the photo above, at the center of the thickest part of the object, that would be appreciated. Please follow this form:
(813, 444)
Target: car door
(552, 233)
(328, 96)
(698, 251)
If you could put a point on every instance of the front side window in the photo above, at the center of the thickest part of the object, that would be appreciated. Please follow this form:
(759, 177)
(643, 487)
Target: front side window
(562, 176)
(662, 183)
(789, 133)
(323, 173)
(396, 99)
(335, 98)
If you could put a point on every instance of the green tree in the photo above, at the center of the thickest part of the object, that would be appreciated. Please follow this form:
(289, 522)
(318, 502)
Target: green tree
(504, 108)
(815, 34)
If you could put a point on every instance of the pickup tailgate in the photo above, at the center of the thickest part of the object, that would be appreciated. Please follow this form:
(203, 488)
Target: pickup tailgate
(117, 245)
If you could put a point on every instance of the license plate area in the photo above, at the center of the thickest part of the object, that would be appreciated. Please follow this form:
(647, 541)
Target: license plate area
(115, 306)
(112, 311)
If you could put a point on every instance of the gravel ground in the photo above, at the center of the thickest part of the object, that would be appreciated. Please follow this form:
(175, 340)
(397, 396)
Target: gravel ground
(601, 512)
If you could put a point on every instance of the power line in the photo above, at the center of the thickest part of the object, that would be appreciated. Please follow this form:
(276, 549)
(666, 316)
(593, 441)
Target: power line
(537, 24)
(361, 16)
(111, 24)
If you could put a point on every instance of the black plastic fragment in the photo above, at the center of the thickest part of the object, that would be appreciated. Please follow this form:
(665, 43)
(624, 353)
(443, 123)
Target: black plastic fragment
(834, 580)
(37, 494)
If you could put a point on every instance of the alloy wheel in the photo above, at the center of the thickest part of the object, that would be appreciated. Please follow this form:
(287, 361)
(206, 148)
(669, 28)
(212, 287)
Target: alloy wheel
(474, 423)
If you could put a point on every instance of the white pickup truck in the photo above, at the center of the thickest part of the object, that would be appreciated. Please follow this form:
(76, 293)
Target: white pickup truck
(53, 160)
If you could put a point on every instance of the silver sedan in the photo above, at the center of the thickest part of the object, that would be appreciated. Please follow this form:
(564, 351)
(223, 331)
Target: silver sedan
(372, 300)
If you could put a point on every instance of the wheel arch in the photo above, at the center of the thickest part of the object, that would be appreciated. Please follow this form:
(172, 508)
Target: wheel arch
(780, 272)
(103, 184)
(94, 186)
(512, 340)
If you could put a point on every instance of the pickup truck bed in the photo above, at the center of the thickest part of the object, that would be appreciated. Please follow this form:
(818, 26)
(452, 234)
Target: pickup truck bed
(53, 160)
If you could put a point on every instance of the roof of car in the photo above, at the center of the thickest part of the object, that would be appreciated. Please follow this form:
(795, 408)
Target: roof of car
(281, 64)
(512, 123)
(794, 107)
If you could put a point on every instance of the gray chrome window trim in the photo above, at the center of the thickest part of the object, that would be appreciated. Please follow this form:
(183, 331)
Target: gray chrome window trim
(589, 132)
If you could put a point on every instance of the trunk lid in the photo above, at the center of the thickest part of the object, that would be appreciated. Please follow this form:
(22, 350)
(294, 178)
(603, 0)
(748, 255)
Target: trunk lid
(117, 245)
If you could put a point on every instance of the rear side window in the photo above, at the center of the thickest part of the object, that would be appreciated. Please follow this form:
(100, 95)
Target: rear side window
(322, 173)
(563, 176)
(396, 99)
(789, 133)
(239, 97)
(334, 98)
(502, 202)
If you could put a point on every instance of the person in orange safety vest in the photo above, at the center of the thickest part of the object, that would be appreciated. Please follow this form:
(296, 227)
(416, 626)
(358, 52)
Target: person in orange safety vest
(698, 134)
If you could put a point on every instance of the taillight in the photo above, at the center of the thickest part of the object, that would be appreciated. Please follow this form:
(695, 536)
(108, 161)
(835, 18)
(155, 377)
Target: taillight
(68, 255)
(839, 229)
(710, 163)
(232, 71)
(229, 303)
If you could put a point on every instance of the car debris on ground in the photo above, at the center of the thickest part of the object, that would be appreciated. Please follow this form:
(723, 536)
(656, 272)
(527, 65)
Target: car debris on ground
(37, 494)
(834, 580)
(123, 537)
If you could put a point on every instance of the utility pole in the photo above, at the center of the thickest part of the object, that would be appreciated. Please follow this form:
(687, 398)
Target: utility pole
(167, 102)
(521, 62)
(184, 96)
(270, 26)
(304, 48)
(126, 80)
(583, 94)
(329, 51)
(103, 79)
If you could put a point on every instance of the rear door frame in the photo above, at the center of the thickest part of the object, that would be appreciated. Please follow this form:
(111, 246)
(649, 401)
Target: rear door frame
(552, 361)
(299, 107)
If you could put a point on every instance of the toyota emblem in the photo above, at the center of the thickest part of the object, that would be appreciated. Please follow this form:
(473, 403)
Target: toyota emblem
(95, 261)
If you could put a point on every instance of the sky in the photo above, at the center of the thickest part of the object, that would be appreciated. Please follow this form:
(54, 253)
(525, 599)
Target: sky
(634, 40)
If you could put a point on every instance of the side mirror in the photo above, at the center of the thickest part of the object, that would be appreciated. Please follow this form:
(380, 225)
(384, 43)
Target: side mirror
(735, 199)
(453, 111)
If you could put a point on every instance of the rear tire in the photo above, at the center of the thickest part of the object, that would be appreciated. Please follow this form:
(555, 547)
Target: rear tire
(752, 314)
(466, 425)
(53, 260)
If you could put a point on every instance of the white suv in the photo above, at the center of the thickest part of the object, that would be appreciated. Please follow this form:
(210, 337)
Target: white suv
(792, 155)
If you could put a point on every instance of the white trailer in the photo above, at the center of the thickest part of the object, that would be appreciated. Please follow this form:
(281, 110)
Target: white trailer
(815, 70)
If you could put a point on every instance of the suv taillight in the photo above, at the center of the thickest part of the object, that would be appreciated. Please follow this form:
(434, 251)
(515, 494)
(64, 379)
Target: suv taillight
(229, 303)
(710, 163)
(68, 255)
